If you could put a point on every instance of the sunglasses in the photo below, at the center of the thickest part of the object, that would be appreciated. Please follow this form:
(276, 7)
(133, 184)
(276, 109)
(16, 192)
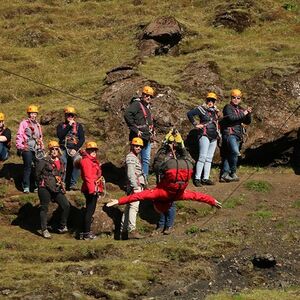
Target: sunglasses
(137, 146)
(210, 100)
(70, 115)
(148, 96)
(234, 97)
(56, 149)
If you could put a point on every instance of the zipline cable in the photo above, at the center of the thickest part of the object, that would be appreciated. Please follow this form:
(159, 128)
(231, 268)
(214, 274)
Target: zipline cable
(49, 87)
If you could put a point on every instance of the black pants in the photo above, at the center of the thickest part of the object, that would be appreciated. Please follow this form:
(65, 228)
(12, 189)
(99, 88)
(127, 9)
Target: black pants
(45, 197)
(91, 202)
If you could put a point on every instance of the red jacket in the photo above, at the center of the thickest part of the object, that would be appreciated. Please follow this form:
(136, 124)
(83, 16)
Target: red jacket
(172, 187)
(90, 174)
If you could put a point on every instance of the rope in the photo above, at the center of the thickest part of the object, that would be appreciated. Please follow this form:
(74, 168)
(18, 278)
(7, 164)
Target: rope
(49, 87)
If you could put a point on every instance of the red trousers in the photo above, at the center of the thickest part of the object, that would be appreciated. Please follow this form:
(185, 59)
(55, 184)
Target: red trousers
(163, 198)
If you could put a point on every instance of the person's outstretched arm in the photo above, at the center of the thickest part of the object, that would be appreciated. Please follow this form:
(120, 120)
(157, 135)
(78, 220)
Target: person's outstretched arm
(200, 197)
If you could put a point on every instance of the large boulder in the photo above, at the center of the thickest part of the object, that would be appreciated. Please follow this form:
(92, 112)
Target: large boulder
(167, 110)
(160, 37)
(236, 16)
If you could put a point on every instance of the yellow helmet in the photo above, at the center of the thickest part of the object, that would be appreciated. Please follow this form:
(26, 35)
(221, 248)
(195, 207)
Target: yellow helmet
(53, 144)
(236, 93)
(212, 95)
(137, 142)
(148, 90)
(91, 145)
(69, 110)
(32, 109)
(2, 116)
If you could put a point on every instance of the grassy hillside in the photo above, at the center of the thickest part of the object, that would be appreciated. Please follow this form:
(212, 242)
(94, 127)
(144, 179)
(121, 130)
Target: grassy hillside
(71, 44)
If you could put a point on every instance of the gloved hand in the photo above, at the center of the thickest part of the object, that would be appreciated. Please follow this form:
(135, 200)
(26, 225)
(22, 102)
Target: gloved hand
(137, 190)
(113, 202)
(169, 138)
(218, 204)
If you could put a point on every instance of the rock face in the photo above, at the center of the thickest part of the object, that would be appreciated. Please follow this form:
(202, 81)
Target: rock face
(199, 78)
(160, 37)
(273, 134)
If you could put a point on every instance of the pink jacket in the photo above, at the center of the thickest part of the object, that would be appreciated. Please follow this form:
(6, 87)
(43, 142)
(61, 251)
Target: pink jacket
(29, 136)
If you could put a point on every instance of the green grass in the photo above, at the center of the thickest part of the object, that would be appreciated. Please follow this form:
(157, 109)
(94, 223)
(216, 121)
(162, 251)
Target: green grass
(290, 294)
(296, 204)
(192, 230)
(232, 202)
(258, 186)
(263, 214)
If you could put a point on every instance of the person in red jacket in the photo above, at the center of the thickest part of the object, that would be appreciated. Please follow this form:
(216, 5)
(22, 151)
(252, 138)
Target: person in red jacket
(92, 185)
(174, 179)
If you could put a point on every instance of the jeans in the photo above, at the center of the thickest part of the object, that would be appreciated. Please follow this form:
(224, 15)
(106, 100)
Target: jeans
(91, 203)
(206, 153)
(231, 144)
(3, 152)
(145, 158)
(28, 160)
(68, 161)
(167, 219)
(45, 197)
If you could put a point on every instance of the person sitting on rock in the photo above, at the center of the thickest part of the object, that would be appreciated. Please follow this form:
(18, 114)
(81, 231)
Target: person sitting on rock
(71, 138)
(5, 139)
(29, 143)
(92, 185)
(207, 137)
(139, 119)
(175, 175)
(171, 146)
(49, 173)
(232, 135)
(136, 183)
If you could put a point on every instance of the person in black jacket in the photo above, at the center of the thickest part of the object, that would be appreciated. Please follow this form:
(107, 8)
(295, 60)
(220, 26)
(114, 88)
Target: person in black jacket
(71, 138)
(49, 173)
(5, 139)
(232, 135)
(208, 133)
(139, 119)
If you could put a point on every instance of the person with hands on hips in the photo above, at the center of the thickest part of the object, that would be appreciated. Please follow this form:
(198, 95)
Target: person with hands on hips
(71, 138)
(207, 126)
(136, 183)
(92, 185)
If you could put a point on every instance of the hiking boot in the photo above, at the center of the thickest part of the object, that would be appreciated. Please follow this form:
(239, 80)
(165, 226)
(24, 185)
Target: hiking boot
(207, 182)
(26, 190)
(225, 178)
(46, 234)
(168, 231)
(88, 236)
(63, 229)
(134, 235)
(157, 231)
(234, 177)
(74, 188)
(197, 182)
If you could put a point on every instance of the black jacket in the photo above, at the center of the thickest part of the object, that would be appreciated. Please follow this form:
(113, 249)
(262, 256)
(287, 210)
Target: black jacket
(208, 117)
(7, 133)
(233, 117)
(139, 118)
(64, 130)
(46, 172)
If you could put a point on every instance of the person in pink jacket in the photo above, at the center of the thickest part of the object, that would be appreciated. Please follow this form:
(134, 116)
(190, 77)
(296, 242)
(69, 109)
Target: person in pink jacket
(92, 185)
(29, 143)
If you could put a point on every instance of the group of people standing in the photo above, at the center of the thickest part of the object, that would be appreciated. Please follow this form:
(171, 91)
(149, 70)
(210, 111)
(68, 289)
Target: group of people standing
(172, 164)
